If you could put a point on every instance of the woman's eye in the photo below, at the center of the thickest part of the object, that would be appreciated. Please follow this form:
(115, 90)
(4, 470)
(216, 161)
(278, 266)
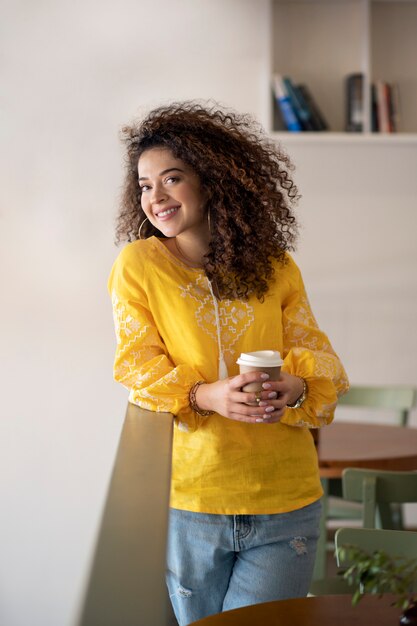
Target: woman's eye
(144, 187)
(172, 179)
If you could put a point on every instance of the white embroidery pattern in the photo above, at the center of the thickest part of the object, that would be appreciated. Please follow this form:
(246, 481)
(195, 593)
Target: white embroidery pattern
(144, 398)
(297, 328)
(133, 351)
(128, 330)
(235, 316)
(126, 325)
(302, 424)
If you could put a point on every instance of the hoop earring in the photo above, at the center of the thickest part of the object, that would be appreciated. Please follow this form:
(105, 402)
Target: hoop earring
(140, 228)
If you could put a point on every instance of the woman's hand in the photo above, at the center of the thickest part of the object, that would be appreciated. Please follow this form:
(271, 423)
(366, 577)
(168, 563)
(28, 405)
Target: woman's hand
(288, 389)
(227, 398)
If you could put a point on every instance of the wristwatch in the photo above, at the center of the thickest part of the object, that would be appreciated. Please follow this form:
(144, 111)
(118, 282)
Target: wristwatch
(301, 399)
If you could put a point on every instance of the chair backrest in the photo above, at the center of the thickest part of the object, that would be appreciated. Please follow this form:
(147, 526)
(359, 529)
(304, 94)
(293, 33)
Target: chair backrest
(396, 543)
(399, 400)
(377, 489)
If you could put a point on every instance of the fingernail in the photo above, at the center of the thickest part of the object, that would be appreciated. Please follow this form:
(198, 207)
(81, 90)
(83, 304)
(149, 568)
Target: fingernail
(259, 420)
(269, 409)
(263, 403)
(266, 386)
(272, 395)
(264, 376)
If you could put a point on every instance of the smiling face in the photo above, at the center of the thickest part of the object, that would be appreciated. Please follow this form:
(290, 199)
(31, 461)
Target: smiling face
(171, 194)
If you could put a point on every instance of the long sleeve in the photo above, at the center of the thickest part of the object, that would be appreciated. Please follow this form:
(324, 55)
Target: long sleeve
(142, 363)
(167, 329)
(308, 353)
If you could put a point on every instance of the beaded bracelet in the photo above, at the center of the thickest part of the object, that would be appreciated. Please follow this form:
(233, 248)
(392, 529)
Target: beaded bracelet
(301, 399)
(193, 399)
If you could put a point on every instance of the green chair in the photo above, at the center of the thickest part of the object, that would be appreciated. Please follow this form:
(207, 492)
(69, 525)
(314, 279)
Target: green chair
(394, 401)
(396, 543)
(381, 494)
(378, 490)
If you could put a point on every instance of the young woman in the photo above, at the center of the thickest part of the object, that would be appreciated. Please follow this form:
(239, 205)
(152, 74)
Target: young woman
(207, 209)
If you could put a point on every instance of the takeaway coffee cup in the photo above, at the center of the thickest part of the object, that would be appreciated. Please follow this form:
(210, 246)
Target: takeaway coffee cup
(268, 361)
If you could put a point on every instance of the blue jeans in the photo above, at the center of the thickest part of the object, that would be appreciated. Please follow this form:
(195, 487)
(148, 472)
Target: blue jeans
(222, 562)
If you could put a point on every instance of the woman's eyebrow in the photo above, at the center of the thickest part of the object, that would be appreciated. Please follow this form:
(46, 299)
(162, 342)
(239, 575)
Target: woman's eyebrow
(170, 169)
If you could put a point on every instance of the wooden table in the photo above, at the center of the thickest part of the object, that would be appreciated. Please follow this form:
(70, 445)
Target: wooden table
(345, 444)
(318, 611)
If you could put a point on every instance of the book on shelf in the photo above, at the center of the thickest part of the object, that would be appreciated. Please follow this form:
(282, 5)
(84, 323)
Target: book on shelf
(383, 106)
(278, 123)
(295, 107)
(299, 105)
(395, 107)
(354, 103)
(374, 110)
(387, 106)
(316, 114)
(284, 103)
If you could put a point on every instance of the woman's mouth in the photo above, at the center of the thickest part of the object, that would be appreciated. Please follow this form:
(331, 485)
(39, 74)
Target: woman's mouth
(167, 213)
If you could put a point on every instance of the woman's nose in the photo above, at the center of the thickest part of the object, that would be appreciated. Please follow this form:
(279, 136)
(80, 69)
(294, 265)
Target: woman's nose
(158, 194)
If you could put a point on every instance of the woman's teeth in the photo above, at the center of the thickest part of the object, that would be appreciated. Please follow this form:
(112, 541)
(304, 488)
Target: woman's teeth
(167, 212)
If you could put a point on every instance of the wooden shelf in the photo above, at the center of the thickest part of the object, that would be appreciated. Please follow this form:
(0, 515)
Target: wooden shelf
(320, 42)
(354, 138)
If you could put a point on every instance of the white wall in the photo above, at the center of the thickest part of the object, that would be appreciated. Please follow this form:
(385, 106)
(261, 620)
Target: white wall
(358, 252)
(359, 257)
(73, 73)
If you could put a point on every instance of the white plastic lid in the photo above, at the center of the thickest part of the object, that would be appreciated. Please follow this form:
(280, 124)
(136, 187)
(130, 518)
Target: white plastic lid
(261, 358)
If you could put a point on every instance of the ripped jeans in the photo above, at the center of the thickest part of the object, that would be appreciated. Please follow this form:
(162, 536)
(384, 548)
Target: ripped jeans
(222, 562)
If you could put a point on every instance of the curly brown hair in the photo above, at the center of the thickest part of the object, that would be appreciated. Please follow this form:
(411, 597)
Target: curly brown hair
(246, 178)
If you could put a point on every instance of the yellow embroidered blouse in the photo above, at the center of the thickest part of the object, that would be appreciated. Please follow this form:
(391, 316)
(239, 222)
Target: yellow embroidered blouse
(167, 323)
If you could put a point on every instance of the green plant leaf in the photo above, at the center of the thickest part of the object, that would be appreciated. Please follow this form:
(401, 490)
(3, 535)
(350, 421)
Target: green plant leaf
(378, 573)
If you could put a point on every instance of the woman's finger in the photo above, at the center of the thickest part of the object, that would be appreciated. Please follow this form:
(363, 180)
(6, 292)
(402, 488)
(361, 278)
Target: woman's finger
(273, 417)
(246, 397)
(237, 382)
(259, 413)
